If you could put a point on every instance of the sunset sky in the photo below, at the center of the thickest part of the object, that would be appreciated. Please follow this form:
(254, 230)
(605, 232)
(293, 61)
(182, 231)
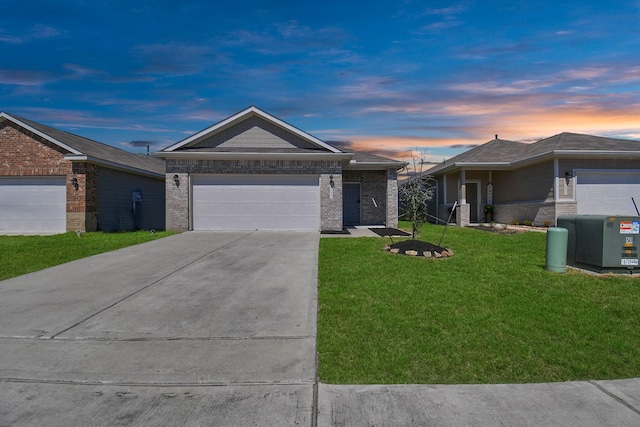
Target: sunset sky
(391, 77)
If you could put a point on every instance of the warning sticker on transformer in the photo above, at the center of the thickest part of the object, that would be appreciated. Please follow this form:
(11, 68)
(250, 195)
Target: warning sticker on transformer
(624, 261)
(629, 227)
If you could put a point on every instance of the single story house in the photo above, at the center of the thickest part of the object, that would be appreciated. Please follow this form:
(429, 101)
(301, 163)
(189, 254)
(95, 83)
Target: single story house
(254, 171)
(53, 181)
(564, 174)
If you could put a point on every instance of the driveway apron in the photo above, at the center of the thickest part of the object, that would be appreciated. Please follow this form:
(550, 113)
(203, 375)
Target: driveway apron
(197, 328)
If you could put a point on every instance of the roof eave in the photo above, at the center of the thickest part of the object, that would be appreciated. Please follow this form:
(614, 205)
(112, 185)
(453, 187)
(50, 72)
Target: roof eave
(204, 155)
(469, 166)
(111, 165)
(353, 165)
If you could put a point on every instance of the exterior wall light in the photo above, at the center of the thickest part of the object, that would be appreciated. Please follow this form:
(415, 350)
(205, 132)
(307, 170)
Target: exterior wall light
(74, 183)
(176, 179)
(331, 183)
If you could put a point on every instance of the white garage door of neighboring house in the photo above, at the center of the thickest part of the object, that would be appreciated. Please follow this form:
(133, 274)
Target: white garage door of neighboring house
(256, 202)
(608, 192)
(33, 205)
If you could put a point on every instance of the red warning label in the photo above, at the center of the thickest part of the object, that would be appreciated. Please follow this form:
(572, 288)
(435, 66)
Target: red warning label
(629, 227)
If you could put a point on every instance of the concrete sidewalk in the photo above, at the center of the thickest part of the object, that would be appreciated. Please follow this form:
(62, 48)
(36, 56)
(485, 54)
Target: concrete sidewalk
(579, 404)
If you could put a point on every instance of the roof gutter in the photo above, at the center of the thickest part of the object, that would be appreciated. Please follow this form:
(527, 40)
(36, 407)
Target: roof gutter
(469, 166)
(353, 165)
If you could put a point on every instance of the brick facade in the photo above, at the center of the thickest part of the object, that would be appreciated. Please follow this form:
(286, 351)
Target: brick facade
(26, 154)
(378, 185)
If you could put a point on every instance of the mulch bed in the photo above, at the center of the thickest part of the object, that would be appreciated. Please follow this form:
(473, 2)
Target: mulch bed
(419, 248)
(343, 231)
(384, 232)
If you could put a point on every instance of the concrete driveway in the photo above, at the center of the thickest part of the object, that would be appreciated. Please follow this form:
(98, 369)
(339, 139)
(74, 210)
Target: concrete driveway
(197, 328)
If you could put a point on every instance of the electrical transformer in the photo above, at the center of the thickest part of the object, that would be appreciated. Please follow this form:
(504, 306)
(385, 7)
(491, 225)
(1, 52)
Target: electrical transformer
(605, 244)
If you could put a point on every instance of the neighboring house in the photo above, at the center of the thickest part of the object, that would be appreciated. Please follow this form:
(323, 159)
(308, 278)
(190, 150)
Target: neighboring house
(52, 181)
(565, 174)
(254, 171)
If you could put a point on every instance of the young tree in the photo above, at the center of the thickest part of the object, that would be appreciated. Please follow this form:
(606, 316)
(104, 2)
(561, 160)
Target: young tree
(415, 195)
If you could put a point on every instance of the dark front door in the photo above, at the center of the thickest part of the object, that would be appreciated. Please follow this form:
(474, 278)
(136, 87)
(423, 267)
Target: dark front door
(351, 204)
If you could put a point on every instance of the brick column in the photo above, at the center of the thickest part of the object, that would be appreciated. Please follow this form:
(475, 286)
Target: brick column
(392, 199)
(82, 198)
(177, 201)
(331, 202)
(463, 215)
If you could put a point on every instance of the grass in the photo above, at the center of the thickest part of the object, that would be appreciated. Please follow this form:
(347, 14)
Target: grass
(25, 254)
(489, 314)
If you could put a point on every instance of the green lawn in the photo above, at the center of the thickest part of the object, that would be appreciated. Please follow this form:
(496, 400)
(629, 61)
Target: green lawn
(489, 314)
(24, 254)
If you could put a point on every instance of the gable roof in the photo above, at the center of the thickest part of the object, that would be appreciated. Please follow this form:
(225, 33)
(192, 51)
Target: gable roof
(312, 143)
(88, 150)
(255, 134)
(502, 154)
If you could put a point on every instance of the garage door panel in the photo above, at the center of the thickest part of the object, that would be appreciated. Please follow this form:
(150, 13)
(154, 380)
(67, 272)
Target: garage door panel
(608, 192)
(31, 205)
(248, 202)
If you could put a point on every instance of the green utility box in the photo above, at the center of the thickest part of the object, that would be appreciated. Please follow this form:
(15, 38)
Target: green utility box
(605, 244)
(556, 249)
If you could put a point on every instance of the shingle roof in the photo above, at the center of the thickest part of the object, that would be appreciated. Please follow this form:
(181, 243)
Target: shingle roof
(365, 157)
(500, 152)
(94, 149)
(567, 141)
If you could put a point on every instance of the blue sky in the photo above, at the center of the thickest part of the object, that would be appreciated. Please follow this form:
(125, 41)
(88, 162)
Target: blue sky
(391, 77)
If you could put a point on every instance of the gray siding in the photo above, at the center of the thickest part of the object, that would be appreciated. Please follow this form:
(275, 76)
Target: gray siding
(254, 133)
(115, 207)
(531, 183)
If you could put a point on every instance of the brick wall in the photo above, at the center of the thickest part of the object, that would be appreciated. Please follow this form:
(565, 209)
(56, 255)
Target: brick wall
(177, 203)
(539, 213)
(27, 154)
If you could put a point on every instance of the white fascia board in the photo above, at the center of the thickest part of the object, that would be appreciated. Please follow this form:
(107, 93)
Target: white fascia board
(216, 155)
(40, 134)
(246, 113)
(485, 166)
(111, 165)
(575, 154)
(596, 153)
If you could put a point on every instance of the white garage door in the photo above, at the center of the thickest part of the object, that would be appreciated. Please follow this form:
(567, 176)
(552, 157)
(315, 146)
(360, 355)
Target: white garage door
(256, 202)
(608, 192)
(33, 205)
